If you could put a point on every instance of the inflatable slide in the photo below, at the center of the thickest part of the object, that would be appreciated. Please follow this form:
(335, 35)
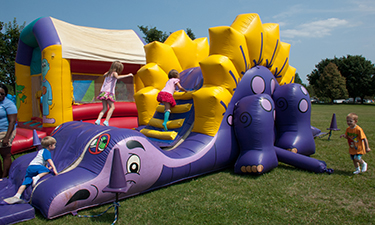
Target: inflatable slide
(242, 110)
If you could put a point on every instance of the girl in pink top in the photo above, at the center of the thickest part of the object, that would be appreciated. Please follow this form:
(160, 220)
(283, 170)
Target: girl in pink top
(107, 92)
(165, 96)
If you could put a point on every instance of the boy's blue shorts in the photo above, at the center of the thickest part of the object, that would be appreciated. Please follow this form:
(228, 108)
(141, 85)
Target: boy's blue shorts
(32, 171)
(357, 156)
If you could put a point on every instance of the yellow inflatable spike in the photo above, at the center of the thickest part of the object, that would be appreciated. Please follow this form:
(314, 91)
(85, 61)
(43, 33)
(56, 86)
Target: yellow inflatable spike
(289, 76)
(163, 135)
(146, 103)
(271, 43)
(152, 75)
(177, 109)
(210, 104)
(163, 55)
(282, 62)
(225, 72)
(184, 48)
(138, 83)
(171, 124)
(227, 41)
(251, 26)
(203, 48)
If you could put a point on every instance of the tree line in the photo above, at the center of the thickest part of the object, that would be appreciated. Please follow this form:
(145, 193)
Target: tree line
(347, 76)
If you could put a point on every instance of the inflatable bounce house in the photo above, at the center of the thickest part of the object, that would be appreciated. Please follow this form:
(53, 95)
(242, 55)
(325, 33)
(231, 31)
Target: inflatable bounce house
(242, 110)
(59, 68)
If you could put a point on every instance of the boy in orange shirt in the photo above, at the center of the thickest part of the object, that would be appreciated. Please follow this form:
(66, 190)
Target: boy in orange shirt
(358, 144)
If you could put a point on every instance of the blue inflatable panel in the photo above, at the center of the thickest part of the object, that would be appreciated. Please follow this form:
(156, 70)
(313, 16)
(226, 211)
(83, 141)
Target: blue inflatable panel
(10, 214)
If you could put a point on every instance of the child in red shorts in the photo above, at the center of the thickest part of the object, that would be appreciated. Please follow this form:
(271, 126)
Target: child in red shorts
(165, 96)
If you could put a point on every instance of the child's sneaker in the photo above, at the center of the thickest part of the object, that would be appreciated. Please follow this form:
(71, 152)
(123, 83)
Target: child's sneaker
(105, 123)
(357, 171)
(35, 180)
(97, 122)
(364, 167)
(13, 200)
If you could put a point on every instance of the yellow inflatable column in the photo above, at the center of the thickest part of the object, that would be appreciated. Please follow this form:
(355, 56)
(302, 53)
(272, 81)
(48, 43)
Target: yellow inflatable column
(23, 92)
(154, 79)
(203, 48)
(232, 44)
(184, 48)
(220, 79)
(289, 76)
(281, 64)
(250, 25)
(163, 55)
(67, 94)
(271, 43)
(57, 94)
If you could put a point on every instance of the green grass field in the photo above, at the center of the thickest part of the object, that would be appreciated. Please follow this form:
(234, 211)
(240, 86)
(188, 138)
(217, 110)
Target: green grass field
(285, 195)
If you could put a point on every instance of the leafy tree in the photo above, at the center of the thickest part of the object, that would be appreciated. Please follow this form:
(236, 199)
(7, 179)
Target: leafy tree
(297, 79)
(189, 32)
(358, 71)
(311, 91)
(153, 34)
(331, 84)
(313, 77)
(9, 36)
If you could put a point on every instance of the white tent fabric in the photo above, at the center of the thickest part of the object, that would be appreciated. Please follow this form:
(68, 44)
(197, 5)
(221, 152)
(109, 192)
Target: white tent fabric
(94, 44)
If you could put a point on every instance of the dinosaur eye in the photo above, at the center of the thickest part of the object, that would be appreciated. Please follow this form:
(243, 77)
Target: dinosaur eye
(103, 142)
(93, 143)
(134, 164)
(99, 144)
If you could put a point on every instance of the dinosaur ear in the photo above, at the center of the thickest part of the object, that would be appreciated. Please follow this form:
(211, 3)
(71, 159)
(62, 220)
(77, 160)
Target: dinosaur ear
(134, 144)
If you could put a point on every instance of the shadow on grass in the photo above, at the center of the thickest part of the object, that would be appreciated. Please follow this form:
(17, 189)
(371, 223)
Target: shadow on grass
(342, 172)
(107, 217)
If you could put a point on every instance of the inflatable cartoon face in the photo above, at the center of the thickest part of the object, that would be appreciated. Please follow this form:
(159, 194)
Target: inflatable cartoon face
(142, 163)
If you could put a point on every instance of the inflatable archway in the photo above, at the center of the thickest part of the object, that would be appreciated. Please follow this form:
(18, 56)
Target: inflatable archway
(52, 55)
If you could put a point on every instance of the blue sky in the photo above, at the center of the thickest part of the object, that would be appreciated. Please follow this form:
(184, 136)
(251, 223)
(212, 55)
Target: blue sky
(315, 29)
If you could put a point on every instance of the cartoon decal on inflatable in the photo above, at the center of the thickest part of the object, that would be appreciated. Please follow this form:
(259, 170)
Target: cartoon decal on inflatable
(46, 93)
(241, 110)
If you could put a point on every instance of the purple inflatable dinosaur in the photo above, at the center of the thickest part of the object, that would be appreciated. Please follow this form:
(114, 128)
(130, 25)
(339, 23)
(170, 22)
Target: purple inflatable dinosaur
(261, 121)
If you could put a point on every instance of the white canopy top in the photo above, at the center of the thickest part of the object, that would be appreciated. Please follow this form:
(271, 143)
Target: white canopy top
(96, 44)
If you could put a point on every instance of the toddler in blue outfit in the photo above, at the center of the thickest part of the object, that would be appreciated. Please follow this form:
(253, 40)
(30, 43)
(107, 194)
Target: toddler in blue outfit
(37, 168)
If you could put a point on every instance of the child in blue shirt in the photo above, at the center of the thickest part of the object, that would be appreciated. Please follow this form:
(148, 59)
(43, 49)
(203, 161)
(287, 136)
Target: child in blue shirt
(37, 168)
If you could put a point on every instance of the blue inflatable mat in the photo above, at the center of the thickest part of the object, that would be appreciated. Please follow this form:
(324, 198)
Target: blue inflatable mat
(10, 214)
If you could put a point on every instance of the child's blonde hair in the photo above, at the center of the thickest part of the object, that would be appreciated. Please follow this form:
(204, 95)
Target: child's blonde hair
(116, 66)
(47, 141)
(173, 74)
(353, 116)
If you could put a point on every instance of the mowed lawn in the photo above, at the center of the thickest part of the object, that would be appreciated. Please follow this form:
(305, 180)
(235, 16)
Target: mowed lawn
(285, 195)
